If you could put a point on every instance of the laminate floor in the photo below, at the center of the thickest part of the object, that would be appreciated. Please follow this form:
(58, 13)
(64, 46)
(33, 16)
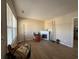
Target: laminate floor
(49, 50)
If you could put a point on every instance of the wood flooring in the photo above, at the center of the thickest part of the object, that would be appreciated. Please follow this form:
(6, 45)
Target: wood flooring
(49, 50)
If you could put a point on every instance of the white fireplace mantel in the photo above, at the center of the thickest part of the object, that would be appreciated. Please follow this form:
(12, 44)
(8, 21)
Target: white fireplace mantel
(45, 32)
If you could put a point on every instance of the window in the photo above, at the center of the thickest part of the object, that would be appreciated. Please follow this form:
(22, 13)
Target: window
(11, 26)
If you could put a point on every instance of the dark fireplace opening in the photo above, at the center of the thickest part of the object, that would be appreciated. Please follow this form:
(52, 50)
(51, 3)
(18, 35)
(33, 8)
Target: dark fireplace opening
(44, 35)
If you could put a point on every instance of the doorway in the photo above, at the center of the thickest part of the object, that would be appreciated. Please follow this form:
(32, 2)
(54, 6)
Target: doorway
(75, 42)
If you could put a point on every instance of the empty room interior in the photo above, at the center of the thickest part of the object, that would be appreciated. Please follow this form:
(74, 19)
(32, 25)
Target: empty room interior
(39, 29)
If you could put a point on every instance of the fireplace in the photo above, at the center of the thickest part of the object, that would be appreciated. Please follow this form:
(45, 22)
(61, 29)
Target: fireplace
(45, 35)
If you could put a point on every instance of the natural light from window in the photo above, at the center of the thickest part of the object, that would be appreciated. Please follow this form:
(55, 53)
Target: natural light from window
(11, 26)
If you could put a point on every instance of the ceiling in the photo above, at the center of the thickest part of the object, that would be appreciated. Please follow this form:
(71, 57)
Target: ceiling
(44, 9)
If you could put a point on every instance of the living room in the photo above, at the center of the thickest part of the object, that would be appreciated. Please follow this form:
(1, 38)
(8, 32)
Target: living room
(53, 19)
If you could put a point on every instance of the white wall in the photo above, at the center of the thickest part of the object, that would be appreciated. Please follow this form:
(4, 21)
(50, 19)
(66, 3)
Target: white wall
(64, 28)
(3, 30)
(50, 26)
(28, 26)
